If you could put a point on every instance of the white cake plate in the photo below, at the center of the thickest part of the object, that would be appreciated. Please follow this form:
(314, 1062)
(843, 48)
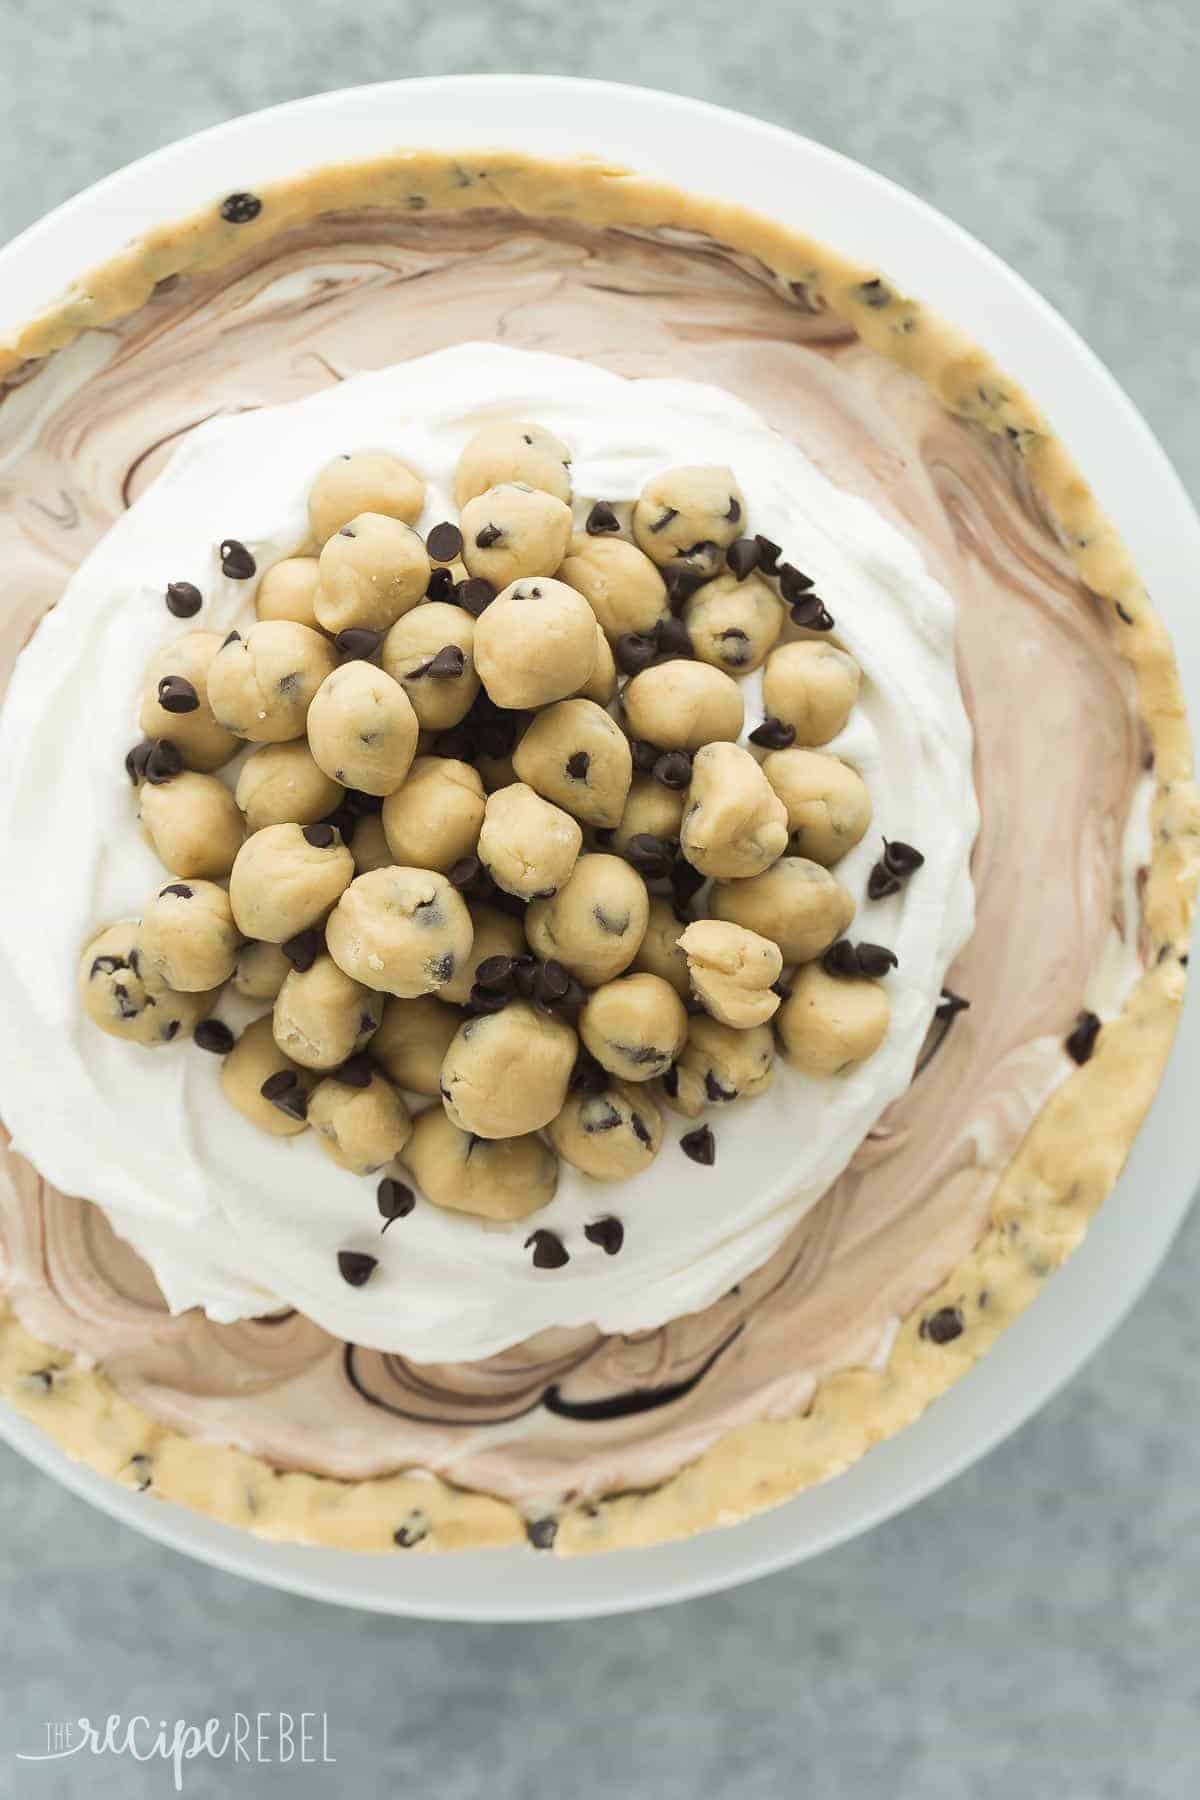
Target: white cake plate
(805, 185)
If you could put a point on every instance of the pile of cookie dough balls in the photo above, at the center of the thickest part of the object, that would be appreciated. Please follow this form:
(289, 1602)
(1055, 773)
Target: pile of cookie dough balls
(454, 873)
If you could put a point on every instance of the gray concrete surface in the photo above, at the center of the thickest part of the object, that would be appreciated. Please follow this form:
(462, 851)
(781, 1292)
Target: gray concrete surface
(1033, 1629)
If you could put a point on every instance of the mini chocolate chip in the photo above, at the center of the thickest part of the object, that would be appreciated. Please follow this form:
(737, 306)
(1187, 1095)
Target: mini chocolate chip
(734, 513)
(180, 889)
(840, 958)
(183, 599)
(475, 594)
(495, 972)
(1082, 1040)
(650, 856)
(608, 1233)
(743, 557)
(793, 582)
(602, 519)
(177, 695)
(239, 209)
(395, 1199)
(441, 585)
(231, 637)
(357, 642)
(671, 636)
(735, 650)
(811, 614)
(773, 734)
(875, 960)
(137, 758)
(587, 1077)
(405, 1536)
(542, 1532)
(874, 293)
(670, 1082)
(211, 1034)
(107, 965)
(549, 1251)
(444, 542)
(284, 1091)
(673, 769)
(356, 1266)
(943, 1326)
(664, 519)
(640, 1131)
(700, 1145)
(1125, 617)
(320, 835)
(715, 1090)
(881, 882)
(236, 560)
(447, 665)
(490, 534)
(901, 859)
(768, 554)
(633, 652)
(577, 765)
(303, 950)
(645, 755)
(950, 1005)
(163, 763)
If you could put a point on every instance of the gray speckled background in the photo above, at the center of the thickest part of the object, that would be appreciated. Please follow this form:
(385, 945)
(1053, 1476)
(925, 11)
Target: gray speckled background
(1034, 1629)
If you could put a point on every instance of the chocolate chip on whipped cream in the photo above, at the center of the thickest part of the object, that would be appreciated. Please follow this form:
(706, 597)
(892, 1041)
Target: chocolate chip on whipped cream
(700, 1146)
(183, 599)
(236, 561)
(608, 1233)
(356, 1266)
(549, 1251)
(394, 1199)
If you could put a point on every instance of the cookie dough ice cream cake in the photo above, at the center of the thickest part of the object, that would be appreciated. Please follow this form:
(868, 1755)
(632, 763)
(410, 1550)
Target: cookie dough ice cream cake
(552, 989)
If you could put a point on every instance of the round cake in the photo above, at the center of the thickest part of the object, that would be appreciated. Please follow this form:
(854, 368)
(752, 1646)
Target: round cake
(601, 853)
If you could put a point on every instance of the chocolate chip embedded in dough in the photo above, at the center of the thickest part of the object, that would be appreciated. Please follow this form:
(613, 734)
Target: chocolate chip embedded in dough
(549, 1251)
(177, 695)
(490, 534)
(588, 1077)
(773, 734)
(602, 520)
(673, 769)
(1082, 1040)
(716, 1093)
(321, 836)
(303, 950)
(441, 585)
(700, 1145)
(444, 542)
(357, 642)
(283, 1090)
(541, 1532)
(475, 594)
(239, 209)
(608, 1233)
(943, 1326)
(163, 763)
(650, 856)
(137, 758)
(179, 889)
(236, 561)
(183, 599)
(447, 665)
(356, 1267)
(212, 1034)
(633, 652)
(578, 764)
(672, 638)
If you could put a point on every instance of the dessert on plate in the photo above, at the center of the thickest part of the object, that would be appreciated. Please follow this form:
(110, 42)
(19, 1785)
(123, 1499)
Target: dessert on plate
(601, 848)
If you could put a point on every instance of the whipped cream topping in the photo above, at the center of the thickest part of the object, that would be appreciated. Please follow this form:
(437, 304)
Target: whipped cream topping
(240, 1224)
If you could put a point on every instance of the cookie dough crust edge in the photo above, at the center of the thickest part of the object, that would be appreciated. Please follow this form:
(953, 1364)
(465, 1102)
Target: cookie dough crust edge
(1063, 1168)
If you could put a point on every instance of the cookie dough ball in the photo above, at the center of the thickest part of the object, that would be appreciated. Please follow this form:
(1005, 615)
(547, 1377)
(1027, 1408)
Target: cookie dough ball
(527, 846)
(493, 1178)
(322, 1017)
(286, 878)
(435, 818)
(367, 481)
(796, 904)
(734, 823)
(610, 1136)
(175, 702)
(192, 824)
(683, 705)
(506, 1073)
(535, 644)
(719, 1063)
(512, 450)
(373, 571)
(362, 729)
(496, 934)
(402, 931)
(126, 997)
(812, 687)
(594, 926)
(660, 953)
(731, 971)
(512, 532)
(252, 1062)
(260, 971)
(419, 653)
(281, 784)
(733, 624)
(689, 514)
(188, 936)
(262, 685)
(651, 810)
(369, 846)
(601, 684)
(577, 756)
(828, 806)
(635, 1027)
(829, 1024)
(619, 582)
(361, 1126)
(412, 1040)
(288, 590)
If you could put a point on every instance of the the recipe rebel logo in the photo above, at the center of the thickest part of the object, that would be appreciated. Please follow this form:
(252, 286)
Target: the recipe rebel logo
(252, 1738)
